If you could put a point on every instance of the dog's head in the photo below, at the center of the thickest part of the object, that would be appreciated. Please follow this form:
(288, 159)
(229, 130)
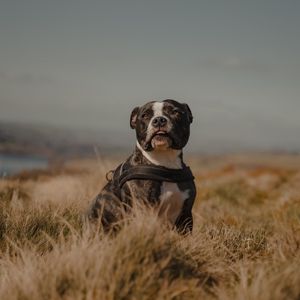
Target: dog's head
(162, 125)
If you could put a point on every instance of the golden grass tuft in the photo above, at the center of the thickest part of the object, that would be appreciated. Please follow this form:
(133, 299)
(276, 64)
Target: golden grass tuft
(245, 243)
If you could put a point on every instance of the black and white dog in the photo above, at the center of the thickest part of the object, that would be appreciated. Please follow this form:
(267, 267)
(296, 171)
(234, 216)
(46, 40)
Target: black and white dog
(155, 173)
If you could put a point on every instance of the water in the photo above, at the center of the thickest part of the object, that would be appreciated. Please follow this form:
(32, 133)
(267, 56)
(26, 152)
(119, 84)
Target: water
(12, 164)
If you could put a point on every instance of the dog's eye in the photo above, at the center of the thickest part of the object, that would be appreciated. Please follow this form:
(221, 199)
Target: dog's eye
(177, 112)
(144, 116)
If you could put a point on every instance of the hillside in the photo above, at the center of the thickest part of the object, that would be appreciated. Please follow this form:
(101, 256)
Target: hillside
(245, 243)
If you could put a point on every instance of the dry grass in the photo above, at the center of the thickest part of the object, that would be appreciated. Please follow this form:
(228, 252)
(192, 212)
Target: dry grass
(245, 244)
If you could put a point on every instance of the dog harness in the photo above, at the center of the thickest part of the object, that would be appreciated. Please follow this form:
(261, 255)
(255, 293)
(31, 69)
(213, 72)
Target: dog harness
(149, 172)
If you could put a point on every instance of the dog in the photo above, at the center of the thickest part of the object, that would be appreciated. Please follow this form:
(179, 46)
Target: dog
(155, 173)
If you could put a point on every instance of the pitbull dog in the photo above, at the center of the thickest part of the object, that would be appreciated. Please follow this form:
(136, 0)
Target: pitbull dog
(162, 130)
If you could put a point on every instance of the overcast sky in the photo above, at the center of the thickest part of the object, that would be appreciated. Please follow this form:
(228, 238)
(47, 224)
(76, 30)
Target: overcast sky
(86, 64)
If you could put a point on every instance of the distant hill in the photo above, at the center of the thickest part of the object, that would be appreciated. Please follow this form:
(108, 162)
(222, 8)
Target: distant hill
(49, 141)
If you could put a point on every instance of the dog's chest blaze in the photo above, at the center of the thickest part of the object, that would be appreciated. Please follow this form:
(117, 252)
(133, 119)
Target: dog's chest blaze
(171, 201)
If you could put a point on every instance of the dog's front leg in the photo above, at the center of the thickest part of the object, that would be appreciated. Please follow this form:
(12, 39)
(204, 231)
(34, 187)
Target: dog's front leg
(184, 222)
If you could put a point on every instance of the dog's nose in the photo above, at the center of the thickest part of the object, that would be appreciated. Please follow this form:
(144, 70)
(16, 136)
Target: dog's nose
(159, 122)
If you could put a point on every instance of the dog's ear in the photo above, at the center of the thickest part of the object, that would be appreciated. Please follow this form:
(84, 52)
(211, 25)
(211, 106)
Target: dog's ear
(133, 117)
(189, 112)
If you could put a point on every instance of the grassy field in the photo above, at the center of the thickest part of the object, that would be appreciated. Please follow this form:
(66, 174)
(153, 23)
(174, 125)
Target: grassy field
(245, 243)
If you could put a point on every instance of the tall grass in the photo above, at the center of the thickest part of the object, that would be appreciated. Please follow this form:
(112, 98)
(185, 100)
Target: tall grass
(245, 243)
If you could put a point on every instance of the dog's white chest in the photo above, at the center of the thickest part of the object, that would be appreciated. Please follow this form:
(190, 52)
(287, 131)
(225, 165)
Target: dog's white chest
(171, 201)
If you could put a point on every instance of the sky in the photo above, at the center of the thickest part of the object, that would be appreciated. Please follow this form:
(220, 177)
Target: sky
(87, 64)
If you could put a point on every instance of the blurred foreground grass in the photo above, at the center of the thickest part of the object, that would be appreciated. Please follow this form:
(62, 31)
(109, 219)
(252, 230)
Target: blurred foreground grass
(245, 243)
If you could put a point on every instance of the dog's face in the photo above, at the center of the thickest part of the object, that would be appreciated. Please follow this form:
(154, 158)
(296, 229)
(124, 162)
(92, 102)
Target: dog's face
(162, 125)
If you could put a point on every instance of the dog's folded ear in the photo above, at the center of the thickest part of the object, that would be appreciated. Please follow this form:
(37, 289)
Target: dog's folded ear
(133, 117)
(189, 112)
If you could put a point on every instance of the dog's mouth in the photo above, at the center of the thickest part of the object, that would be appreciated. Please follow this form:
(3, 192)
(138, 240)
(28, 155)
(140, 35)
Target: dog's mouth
(160, 134)
(161, 139)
